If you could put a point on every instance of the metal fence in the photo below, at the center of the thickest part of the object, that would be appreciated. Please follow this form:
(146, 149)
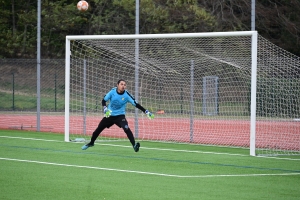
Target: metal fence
(18, 85)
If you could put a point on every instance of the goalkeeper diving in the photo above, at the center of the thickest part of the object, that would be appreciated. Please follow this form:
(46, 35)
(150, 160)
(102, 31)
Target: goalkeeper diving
(114, 113)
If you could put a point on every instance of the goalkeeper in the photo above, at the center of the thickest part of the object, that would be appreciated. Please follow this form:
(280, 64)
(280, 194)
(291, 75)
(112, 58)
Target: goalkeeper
(118, 97)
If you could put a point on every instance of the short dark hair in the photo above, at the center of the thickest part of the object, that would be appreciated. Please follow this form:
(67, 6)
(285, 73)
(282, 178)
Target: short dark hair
(120, 81)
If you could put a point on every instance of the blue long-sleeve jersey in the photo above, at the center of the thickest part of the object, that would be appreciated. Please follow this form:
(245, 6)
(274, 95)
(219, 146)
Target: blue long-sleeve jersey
(118, 101)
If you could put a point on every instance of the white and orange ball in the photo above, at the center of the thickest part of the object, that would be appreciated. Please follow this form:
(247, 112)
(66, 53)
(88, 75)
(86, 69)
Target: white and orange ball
(82, 6)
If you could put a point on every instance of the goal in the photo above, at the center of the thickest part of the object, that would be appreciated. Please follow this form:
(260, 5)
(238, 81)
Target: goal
(231, 89)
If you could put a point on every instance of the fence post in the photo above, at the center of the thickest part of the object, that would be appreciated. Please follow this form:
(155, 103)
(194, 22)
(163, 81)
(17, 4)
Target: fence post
(13, 91)
(97, 96)
(192, 108)
(181, 98)
(55, 92)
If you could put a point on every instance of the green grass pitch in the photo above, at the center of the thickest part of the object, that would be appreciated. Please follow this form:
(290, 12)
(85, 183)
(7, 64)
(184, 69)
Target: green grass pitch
(42, 166)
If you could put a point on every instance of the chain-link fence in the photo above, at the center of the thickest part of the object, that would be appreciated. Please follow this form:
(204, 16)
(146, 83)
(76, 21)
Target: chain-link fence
(18, 85)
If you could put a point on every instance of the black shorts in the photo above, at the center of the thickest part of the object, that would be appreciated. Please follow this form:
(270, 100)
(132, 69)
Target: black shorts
(119, 120)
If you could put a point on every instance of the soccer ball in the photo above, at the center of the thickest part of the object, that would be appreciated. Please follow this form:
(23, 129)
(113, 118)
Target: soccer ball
(82, 6)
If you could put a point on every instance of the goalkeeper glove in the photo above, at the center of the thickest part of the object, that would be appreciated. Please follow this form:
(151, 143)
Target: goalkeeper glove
(149, 114)
(106, 111)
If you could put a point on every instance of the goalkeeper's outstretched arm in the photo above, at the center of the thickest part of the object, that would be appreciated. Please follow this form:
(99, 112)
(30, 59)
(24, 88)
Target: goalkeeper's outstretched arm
(137, 105)
(103, 102)
(149, 114)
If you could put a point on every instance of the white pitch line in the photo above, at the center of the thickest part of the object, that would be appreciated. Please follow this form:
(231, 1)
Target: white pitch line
(180, 150)
(148, 173)
(158, 149)
(117, 145)
(22, 138)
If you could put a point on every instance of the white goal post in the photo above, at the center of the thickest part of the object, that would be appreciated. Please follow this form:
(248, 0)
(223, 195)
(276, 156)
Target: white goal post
(204, 88)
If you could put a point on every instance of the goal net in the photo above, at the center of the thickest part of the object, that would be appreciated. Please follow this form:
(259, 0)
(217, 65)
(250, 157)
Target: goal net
(230, 89)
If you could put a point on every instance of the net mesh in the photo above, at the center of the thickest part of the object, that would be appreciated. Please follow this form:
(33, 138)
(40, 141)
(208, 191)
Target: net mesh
(198, 89)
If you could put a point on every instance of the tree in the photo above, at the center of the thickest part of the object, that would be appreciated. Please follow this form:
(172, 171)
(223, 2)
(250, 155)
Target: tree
(17, 30)
(276, 20)
(279, 21)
